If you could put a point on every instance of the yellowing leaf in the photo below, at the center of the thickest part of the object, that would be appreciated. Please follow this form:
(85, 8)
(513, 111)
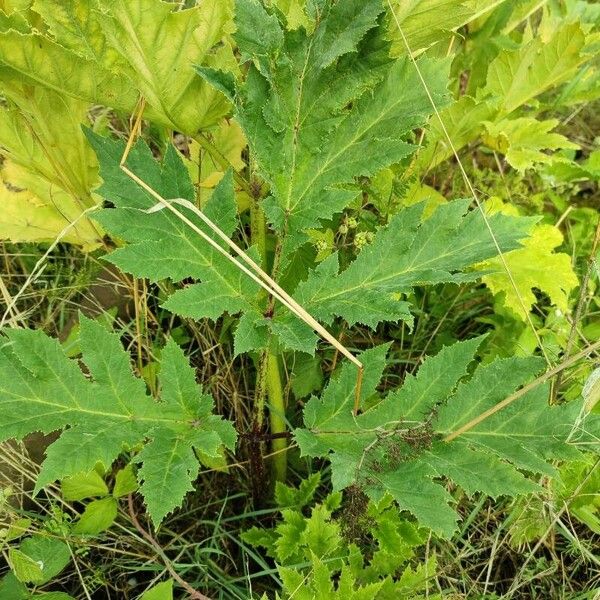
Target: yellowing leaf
(523, 141)
(591, 390)
(536, 265)
(75, 25)
(39, 61)
(111, 52)
(160, 46)
(426, 22)
(49, 168)
(26, 218)
(41, 131)
(515, 77)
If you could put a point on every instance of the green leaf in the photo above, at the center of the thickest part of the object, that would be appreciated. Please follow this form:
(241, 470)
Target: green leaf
(251, 19)
(287, 496)
(125, 482)
(12, 589)
(162, 246)
(368, 291)
(98, 516)
(327, 107)
(524, 140)
(83, 485)
(397, 446)
(42, 390)
(168, 463)
(24, 567)
(404, 254)
(16, 529)
(162, 591)
(536, 265)
(306, 375)
(515, 77)
(39, 559)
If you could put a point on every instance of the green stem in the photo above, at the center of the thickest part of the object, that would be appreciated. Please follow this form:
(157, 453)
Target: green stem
(258, 229)
(269, 377)
(276, 416)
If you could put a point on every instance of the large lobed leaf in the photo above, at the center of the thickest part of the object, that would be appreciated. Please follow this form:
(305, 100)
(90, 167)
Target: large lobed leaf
(42, 390)
(324, 107)
(162, 246)
(397, 445)
(112, 52)
(42, 191)
(406, 253)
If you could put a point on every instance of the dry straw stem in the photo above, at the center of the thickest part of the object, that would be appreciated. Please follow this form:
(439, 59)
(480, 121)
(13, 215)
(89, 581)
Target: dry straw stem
(553, 371)
(257, 274)
(524, 390)
(40, 265)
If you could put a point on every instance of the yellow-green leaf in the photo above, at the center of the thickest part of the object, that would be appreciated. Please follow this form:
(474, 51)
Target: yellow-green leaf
(426, 22)
(39, 559)
(83, 485)
(49, 168)
(76, 25)
(295, 13)
(515, 77)
(125, 482)
(98, 516)
(36, 60)
(524, 140)
(25, 568)
(536, 265)
(162, 591)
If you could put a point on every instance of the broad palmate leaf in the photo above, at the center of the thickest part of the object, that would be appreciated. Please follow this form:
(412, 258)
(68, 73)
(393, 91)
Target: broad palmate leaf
(397, 445)
(112, 51)
(42, 390)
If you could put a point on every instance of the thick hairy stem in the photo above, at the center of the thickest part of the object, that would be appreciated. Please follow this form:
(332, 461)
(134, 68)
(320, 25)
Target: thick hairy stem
(277, 417)
(269, 376)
